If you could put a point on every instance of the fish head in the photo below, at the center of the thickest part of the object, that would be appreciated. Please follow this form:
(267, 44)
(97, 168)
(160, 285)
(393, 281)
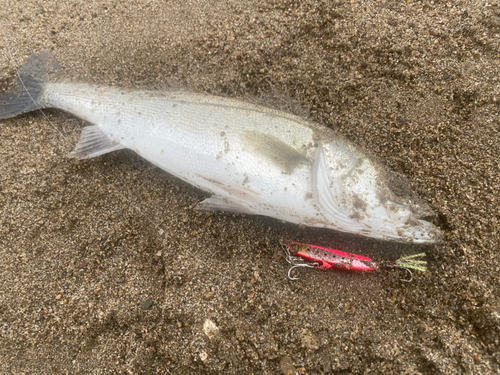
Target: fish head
(357, 194)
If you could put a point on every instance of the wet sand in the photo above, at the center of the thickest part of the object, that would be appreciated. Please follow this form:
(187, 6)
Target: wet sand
(106, 267)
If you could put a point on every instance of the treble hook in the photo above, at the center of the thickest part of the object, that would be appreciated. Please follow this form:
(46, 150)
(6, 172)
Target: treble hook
(294, 262)
(411, 275)
(313, 265)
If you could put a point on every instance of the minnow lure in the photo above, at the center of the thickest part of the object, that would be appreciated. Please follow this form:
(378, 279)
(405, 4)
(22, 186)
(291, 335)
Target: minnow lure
(325, 258)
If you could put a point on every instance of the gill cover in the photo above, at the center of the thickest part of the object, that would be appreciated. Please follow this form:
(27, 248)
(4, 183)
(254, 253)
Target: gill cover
(356, 194)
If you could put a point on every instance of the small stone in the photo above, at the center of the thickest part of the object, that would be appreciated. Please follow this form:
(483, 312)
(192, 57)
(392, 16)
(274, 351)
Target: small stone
(286, 365)
(208, 295)
(210, 328)
(147, 304)
(204, 356)
(256, 277)
(309, 341)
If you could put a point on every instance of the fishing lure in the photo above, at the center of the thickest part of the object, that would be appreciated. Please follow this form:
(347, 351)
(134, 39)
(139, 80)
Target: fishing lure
(306, 255)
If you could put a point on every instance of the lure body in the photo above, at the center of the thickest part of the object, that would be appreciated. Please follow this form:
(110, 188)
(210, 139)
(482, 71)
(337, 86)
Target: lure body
(326, 258)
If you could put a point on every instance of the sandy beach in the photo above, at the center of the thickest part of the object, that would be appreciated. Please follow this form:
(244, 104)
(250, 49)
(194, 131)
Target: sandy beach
(106, 266)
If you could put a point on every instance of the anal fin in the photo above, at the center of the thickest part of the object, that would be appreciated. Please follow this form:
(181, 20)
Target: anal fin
(93, 142)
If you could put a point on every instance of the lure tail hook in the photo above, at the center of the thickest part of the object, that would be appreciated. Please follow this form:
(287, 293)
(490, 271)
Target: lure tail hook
(408, 263)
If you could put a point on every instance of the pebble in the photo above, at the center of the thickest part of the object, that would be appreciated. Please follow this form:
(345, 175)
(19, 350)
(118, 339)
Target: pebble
(286, 365)
(147, 304)
(210, 329)
(308, 340)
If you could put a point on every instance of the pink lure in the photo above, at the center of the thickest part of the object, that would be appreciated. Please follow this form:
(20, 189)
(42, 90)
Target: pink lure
(329, 258)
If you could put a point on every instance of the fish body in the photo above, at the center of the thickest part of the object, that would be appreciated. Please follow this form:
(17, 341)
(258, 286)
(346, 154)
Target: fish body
(252, 159)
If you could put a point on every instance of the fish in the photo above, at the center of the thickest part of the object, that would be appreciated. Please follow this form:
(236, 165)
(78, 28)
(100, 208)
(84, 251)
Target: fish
(251, 159)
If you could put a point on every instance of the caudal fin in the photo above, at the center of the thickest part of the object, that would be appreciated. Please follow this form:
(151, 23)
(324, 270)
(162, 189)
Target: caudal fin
(24, 97)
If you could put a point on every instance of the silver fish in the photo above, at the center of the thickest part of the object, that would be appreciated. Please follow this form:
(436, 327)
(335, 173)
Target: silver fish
(252, 159)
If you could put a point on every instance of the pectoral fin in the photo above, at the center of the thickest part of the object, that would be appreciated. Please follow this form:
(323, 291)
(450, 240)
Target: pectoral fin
(93, 142)
(276, 151)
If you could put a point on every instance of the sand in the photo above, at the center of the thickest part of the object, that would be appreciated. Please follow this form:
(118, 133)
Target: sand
(106, 267)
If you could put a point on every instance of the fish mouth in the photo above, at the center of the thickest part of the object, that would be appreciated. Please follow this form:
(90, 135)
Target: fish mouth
(423, 219)
(429, 231)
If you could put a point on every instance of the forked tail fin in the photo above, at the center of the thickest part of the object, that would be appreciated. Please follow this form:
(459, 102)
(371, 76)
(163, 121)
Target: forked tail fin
(24, 97)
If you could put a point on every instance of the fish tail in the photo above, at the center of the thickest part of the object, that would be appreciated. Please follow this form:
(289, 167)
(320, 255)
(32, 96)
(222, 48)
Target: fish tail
(25, 96)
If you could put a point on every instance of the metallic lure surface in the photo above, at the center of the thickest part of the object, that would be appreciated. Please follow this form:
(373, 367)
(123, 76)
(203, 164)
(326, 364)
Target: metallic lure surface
(326, 258)
(252, 159)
